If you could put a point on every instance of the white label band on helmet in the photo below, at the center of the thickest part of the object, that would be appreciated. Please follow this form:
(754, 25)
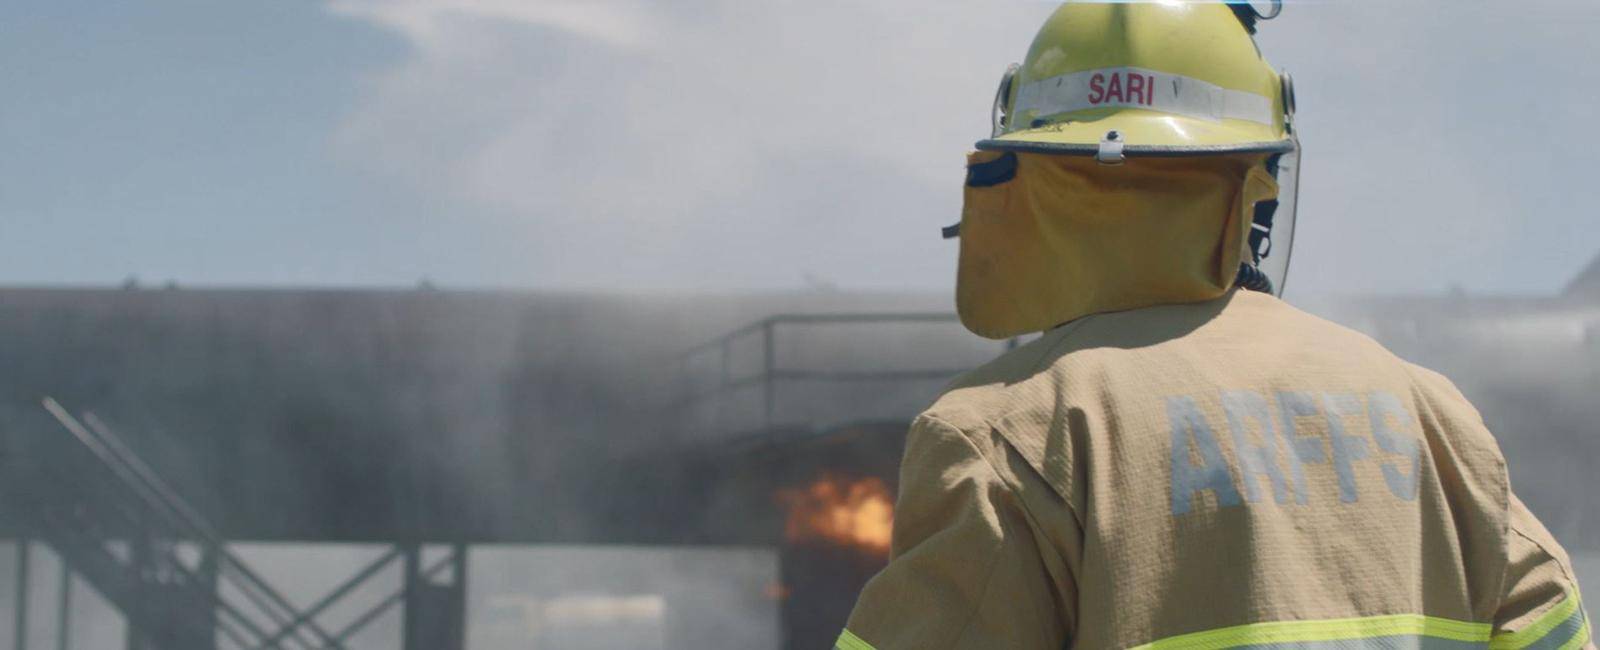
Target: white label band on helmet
(1140, 88)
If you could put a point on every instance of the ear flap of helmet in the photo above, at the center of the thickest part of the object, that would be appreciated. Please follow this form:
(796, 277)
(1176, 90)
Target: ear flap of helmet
(1000, 114)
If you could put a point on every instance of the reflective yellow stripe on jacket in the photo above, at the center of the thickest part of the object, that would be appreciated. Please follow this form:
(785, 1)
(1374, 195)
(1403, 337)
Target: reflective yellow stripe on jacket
(849, 641)
(1397, 631)
(1564, 627)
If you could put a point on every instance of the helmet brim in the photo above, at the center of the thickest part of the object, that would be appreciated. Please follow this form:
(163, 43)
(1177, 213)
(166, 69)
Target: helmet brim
(1146, 133)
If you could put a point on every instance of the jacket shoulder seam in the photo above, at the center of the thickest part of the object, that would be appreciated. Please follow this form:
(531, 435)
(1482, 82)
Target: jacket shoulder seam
(1033, 519)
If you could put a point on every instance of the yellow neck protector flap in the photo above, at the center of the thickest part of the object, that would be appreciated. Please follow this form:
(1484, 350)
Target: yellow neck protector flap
(1066, 236)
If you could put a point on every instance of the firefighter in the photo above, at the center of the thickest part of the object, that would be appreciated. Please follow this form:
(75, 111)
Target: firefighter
(1182, 460)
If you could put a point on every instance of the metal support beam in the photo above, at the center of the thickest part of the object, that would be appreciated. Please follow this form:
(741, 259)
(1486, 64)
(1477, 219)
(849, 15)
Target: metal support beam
(210, 571)
(769, 369)
(410, 588)
(64, 609)
(435, 614)
(20, 641)
(139, 560)
(459, 601)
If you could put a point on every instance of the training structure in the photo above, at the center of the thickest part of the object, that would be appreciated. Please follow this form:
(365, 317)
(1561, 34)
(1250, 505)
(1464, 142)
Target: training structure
(147, 430)
(144, 431)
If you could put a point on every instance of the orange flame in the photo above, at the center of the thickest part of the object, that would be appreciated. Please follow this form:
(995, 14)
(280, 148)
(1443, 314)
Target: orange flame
(777, 591)
(856, 513)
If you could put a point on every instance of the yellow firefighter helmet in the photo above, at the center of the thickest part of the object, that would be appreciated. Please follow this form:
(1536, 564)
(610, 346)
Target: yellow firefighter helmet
(1166, 78)
(1200, 196)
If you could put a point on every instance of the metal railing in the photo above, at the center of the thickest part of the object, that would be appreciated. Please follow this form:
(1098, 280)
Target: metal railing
(771, 374)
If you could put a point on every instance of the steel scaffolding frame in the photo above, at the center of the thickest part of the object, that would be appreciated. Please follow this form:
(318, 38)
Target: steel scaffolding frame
(114, 522)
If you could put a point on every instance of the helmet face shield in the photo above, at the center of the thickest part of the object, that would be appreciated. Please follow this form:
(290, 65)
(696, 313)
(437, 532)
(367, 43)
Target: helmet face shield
(1273, 254)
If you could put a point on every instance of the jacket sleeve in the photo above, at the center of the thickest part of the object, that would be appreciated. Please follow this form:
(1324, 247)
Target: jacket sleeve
(1540, 607)
(965, 570)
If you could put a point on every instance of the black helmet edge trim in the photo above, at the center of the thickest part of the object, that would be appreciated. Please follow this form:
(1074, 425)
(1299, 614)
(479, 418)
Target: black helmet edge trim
(1156, 151)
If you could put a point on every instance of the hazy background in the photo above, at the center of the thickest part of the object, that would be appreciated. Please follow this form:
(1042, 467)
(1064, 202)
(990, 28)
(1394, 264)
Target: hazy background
(720, 144)
(613, 158)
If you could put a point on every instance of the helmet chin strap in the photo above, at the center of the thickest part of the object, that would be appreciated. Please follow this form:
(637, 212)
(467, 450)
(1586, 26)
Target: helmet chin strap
(1250, 275)
(1252, 278)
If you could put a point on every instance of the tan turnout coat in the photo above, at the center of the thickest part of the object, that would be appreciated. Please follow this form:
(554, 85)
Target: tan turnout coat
(1231, 473)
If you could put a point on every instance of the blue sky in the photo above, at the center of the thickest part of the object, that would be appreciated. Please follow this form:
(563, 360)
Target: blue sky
(720, 144)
